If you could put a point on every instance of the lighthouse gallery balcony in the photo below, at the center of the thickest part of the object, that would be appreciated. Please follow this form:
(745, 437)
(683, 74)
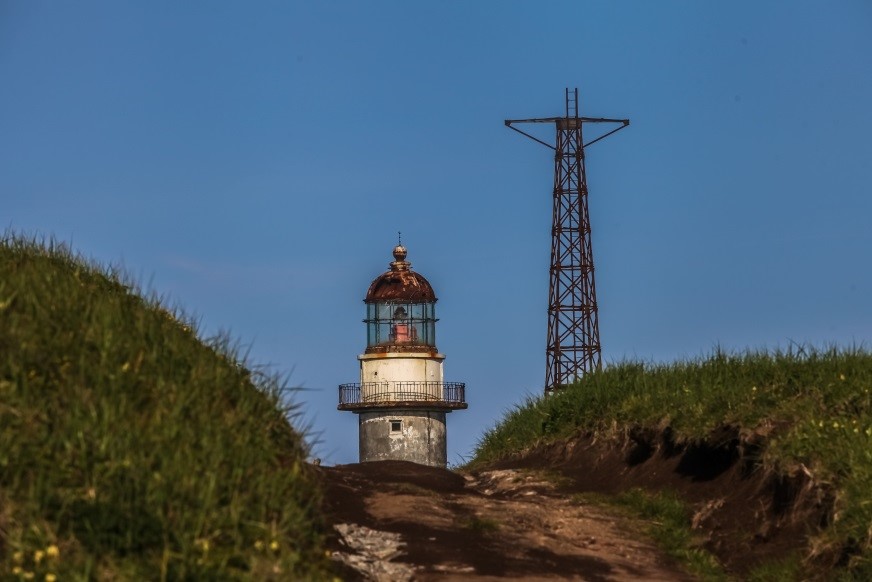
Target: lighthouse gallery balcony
(411, 394)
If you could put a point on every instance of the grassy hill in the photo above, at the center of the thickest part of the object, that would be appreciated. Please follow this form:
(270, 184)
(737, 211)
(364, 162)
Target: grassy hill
(129, 448)
(800, 422)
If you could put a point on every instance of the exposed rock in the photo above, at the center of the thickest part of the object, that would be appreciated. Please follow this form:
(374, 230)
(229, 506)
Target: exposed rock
(370, 553)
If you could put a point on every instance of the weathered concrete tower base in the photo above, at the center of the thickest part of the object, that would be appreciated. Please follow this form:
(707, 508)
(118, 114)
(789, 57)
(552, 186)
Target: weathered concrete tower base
(403, 435)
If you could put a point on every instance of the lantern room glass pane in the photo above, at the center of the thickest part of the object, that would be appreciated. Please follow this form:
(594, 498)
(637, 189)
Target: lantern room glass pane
(400, 324)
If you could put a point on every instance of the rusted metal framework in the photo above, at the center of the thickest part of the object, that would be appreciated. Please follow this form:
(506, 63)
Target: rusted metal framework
(573, 344)
(436, 395)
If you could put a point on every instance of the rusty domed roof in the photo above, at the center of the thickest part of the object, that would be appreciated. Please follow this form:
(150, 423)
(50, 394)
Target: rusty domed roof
(400, 284)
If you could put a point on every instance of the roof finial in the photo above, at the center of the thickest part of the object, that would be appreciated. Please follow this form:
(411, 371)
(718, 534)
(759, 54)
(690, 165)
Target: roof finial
(400, 263)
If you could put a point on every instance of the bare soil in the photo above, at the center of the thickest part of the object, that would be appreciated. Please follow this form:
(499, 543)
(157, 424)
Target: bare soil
(394, 520)
(745, 514)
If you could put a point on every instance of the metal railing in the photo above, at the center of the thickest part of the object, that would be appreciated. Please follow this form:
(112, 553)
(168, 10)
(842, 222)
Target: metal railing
(443, 394)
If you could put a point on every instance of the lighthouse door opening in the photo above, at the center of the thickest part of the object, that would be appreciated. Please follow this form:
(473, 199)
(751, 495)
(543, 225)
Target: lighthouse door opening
(396, 425)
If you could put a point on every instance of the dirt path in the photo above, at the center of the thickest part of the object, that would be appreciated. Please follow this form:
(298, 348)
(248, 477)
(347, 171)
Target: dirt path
(400, 521)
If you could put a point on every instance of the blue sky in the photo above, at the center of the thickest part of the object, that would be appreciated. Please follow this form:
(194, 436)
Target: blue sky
(254, 161)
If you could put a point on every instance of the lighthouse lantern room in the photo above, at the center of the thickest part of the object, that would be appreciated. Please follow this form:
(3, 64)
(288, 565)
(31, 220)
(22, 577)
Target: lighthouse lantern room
(402, 399)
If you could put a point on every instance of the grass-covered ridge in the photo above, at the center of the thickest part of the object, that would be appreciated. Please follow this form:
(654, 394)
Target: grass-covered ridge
(129, 448)
(810, 410)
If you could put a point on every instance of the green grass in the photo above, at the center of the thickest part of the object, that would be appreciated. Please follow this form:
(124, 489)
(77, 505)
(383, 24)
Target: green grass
(818, 402)
(788, 568)
(131, 449)
(481, 525)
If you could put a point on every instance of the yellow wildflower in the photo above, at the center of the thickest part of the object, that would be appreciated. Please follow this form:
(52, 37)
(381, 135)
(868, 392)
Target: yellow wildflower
(274, 545)
(38, 555)
(835, 424)
(18, 557)
(52, 551)
(16, 570)
(842, 377)
(258, 545)
(27, 575)
(50, 577)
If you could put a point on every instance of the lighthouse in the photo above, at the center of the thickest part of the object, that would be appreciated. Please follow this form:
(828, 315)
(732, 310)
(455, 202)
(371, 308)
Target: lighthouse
(402, 399)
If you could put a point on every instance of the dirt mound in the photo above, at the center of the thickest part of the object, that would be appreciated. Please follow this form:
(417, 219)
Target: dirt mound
(398, 473)
(747, 515)
(401, 521)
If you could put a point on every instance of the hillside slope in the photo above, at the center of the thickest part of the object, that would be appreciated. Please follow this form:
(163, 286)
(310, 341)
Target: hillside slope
(131, 449)
(772, 451)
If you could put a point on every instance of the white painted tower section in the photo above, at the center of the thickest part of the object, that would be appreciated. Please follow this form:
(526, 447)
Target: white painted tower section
(382, 375)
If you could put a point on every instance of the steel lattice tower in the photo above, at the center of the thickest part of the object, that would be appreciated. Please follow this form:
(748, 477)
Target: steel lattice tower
(573, 345)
